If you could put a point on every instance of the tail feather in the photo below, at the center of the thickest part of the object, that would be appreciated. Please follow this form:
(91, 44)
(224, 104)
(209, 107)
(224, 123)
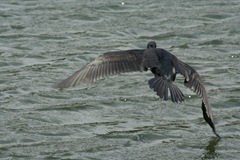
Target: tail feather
(162, 92)
(162, 85)
(176, 93)
(159, 86)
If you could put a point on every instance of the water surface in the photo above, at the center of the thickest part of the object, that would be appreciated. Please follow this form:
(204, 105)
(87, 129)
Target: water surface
(42, 42)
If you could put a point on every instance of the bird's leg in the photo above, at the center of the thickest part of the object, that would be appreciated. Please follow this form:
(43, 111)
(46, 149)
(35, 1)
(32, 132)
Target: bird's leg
(174, 77)
(145, 69)
(155, 71)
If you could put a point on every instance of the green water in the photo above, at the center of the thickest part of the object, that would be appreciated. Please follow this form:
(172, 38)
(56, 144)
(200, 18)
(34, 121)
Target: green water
(43, 42)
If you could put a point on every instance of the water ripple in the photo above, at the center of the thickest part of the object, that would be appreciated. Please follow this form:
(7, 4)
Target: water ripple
(42, 42)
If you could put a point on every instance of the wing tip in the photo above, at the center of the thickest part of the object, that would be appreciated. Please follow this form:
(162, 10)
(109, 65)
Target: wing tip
(209, 120)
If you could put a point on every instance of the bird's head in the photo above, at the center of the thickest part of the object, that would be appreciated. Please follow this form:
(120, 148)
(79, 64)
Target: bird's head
(152, 44)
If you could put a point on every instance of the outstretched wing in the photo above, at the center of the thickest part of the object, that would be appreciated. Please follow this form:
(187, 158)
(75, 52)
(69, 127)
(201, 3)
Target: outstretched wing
(195, 83)
(109, 63)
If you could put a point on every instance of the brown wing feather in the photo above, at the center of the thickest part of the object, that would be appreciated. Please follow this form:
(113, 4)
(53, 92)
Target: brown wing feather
(193, 81)
(109, 63)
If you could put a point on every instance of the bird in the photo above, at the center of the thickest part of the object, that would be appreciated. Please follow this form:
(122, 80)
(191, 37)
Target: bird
(164, 66)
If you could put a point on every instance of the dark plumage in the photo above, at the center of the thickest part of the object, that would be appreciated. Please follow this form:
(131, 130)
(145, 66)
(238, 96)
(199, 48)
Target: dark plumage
(162, 64)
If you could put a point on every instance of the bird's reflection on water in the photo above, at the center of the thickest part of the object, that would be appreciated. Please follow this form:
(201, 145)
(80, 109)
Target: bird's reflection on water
(210, 150)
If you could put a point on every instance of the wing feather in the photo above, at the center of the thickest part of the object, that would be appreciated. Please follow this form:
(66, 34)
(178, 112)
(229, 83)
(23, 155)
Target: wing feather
(105, 65)
(194, 81)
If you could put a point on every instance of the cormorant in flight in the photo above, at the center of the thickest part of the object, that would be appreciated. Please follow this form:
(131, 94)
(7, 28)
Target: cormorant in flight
(162, 64)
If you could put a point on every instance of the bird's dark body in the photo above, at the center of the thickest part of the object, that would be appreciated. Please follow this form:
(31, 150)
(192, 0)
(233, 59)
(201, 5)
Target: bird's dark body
(164, 66)
(160, 63)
